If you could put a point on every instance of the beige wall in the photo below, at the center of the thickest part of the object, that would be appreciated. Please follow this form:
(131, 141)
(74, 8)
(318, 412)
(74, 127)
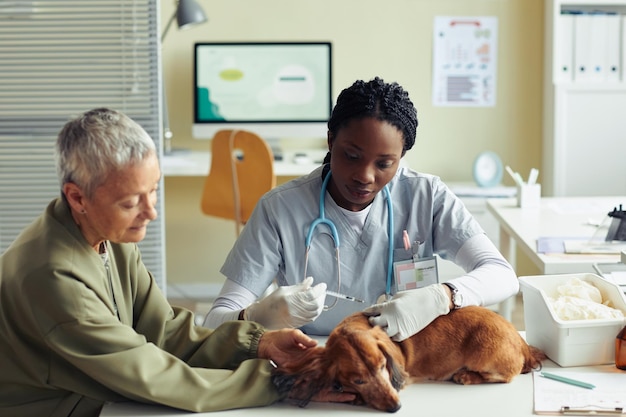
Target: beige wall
(391, 39)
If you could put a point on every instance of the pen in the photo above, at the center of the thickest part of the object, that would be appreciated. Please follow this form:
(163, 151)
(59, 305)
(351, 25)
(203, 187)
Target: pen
(407, 241)
(532, 177)
(516, 176)
(567, 380)
(345, 297)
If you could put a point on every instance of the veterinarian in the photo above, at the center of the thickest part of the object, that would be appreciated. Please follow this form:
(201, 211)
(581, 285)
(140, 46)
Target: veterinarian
(82, 321)
(387, 219)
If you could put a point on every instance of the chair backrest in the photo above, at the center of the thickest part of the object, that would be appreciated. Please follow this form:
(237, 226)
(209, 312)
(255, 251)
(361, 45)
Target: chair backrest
(242, 170)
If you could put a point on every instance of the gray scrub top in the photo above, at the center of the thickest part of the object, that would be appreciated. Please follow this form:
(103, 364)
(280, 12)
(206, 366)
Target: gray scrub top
(272, 244)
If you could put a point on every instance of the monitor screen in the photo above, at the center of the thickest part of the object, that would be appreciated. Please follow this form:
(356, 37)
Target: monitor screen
(278, 90)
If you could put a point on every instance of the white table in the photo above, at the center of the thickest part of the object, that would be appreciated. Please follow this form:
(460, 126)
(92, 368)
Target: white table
(556, 217)
(197, 163)
(429, 399)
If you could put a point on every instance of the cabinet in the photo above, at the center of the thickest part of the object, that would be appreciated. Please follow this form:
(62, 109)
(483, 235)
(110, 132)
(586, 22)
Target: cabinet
(584, 125)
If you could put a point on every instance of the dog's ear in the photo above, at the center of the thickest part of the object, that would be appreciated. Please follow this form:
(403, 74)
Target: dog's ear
(395, 364)
(302, 379)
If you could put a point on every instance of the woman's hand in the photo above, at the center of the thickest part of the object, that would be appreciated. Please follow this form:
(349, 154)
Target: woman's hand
(283, 346)
(289, 345)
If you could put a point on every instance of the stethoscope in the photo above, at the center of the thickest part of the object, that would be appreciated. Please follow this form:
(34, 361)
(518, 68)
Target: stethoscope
(322, 219)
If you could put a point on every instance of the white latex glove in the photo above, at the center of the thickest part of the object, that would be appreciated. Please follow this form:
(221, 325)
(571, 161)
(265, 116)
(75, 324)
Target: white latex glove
(289, 306)
(409, 311)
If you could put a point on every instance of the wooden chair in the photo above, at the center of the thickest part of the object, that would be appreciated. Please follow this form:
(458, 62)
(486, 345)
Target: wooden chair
(242, 170)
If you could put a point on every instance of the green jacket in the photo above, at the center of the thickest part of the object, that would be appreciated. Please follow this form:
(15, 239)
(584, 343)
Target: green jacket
(65, 352)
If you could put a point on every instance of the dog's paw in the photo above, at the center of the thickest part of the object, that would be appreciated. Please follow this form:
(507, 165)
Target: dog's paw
(467, 377)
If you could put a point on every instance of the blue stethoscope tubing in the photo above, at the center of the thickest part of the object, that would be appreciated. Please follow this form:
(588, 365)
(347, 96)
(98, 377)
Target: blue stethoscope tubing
(322, 219)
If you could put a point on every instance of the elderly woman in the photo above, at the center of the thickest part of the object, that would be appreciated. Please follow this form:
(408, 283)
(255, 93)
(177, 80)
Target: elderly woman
(82, 321)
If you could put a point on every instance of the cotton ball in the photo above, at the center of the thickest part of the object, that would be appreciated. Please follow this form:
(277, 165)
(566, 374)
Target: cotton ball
(578, 288)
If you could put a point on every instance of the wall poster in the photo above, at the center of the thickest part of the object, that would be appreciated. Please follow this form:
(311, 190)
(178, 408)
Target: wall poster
(465, 61)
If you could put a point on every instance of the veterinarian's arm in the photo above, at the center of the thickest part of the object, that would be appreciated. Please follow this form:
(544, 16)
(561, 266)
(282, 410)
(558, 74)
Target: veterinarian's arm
(410, 311)
(489, 279)
(228, 305)
(286, 307)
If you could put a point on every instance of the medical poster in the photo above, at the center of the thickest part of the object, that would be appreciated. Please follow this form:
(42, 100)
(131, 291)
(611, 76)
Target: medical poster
(465, 61)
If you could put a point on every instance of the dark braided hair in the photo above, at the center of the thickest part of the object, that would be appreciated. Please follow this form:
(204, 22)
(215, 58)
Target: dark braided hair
(387, 102)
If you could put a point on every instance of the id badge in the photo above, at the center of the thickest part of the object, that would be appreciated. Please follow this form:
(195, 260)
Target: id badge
(415, 273)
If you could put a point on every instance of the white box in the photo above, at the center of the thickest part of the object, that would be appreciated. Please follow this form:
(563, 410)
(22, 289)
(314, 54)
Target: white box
(529, 195)
(570, 342)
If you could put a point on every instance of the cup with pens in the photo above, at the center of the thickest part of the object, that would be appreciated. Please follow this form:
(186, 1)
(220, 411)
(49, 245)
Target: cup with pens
(528, 192)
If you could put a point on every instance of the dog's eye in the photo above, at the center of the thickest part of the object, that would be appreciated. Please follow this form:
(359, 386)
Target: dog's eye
(359, 381)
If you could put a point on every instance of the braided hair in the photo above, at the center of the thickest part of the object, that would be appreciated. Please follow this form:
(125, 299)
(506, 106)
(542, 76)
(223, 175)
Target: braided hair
(387, 102)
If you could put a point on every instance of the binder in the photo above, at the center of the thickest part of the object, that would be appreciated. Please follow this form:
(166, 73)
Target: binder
(557, 398)
(613, 62)
(563, 49)
(590, 47)
(623, 47)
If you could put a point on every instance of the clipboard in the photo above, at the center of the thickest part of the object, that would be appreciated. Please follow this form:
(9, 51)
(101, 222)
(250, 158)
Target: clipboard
(557, 398)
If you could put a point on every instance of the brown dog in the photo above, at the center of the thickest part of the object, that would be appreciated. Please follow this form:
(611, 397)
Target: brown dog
(472, 345)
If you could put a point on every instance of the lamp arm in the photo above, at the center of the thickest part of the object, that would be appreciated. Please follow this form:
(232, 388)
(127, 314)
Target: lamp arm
(167, 133)
(167, 27)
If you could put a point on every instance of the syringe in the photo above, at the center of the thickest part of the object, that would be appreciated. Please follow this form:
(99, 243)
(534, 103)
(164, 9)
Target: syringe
(345, 297)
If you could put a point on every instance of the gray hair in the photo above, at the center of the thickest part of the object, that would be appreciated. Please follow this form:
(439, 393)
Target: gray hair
(96, 143)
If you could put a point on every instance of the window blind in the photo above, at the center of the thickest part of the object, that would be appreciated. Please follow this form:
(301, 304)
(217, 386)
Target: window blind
(59, 58)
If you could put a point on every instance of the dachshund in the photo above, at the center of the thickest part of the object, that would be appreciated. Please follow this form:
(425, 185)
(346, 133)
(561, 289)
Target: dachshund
(470, 345)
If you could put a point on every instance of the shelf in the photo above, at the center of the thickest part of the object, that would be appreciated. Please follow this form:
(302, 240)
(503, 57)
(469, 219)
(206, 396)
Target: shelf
(586, 5)
(606, 86)
(584, 98)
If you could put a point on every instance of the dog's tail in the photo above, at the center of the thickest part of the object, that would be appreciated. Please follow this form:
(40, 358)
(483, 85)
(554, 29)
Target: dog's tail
(532, 359)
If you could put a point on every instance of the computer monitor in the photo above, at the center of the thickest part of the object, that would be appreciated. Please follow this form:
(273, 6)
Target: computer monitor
(278, 90)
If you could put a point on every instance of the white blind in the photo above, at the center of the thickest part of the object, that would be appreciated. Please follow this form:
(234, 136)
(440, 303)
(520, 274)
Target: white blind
(57, 60)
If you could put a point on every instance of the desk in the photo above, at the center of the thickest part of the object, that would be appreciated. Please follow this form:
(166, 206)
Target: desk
(198, 163)
(557, 217)
(432, 399)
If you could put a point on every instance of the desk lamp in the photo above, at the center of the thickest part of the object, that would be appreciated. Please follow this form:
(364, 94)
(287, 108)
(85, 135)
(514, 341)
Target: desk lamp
(188, 13)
